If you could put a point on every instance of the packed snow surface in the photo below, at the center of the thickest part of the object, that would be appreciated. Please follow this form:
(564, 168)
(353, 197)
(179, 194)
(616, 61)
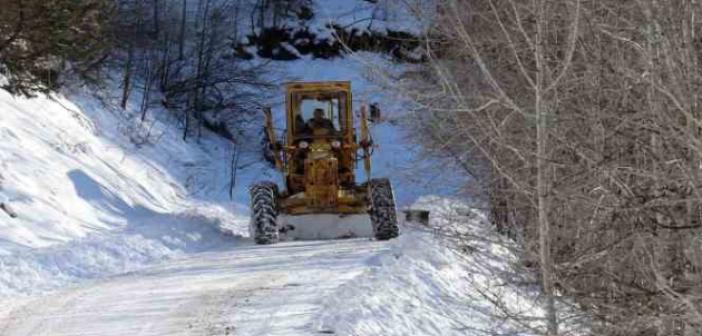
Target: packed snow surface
(415, 285)
(250, 290)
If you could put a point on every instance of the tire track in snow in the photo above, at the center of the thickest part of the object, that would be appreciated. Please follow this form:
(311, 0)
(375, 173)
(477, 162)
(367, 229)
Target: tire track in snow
(20, 321)
(249, 290)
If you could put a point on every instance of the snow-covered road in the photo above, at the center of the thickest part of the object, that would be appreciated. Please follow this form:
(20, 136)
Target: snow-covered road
(248, 290)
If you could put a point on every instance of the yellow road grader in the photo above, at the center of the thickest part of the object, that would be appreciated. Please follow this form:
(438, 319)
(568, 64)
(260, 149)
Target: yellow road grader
(317, 157)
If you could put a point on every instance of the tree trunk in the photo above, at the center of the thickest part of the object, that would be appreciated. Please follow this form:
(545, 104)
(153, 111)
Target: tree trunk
(542, 180)
(148, 82)
(184, 17)
(165, 66)
(157, 18)
(127, 80)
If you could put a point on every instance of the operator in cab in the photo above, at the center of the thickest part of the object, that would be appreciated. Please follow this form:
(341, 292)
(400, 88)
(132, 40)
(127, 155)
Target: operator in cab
(319, 122)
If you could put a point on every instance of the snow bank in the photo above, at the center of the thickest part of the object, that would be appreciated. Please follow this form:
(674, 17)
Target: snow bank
(97, 192)
(156, 237)
(65, 180)
(380, 16)
(425, 286)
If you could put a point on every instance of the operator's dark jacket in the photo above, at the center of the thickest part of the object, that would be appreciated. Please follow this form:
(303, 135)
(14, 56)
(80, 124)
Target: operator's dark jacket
(324, 123)
(313, 124)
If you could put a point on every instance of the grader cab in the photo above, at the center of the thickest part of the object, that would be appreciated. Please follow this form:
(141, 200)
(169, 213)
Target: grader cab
(317, 157)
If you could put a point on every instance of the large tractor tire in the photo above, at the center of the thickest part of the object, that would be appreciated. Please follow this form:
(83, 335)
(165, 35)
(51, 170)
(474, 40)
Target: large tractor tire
(382, 210)
(264, 212)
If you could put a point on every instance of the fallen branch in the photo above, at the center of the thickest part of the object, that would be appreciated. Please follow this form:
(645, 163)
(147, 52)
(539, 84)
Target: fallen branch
(6, 208)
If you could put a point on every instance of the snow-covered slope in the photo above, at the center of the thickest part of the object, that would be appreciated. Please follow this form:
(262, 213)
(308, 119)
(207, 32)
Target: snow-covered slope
(379, 16)
(426, 283)
(95, 195)
(66, 173)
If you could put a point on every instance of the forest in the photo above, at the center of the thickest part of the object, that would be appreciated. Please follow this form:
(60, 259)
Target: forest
(580, 122)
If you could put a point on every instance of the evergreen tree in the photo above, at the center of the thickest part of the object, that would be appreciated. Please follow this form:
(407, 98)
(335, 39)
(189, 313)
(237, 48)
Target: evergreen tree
(41, 39)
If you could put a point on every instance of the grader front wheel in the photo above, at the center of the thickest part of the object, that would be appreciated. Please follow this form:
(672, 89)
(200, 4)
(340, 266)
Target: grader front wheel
(264, 213)
(382, 209)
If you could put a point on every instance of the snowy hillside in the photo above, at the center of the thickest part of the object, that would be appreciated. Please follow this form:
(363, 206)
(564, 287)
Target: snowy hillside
(70, 169)
(93, 195)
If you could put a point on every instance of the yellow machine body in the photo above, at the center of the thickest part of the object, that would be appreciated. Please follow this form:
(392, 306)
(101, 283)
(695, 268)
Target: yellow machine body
(319, 165)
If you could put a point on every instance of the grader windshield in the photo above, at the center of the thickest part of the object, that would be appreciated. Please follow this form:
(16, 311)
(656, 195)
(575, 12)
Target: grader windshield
(332, 104)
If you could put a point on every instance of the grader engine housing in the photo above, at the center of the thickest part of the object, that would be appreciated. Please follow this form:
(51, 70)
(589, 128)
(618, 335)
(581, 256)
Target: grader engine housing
(321, 177)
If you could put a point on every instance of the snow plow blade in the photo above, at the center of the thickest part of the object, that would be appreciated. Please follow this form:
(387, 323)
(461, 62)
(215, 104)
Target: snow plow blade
(325, 226)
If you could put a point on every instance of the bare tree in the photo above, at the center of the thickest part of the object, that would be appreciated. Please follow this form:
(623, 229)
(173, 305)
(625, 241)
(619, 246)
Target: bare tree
(183, 25)
(178, 54)
(581, 123)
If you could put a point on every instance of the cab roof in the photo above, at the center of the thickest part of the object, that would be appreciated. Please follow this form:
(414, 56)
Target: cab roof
(318, 85)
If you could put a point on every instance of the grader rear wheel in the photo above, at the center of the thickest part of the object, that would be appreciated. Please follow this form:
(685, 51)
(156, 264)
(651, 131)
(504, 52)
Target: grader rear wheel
(264, 213)
(382, 209)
